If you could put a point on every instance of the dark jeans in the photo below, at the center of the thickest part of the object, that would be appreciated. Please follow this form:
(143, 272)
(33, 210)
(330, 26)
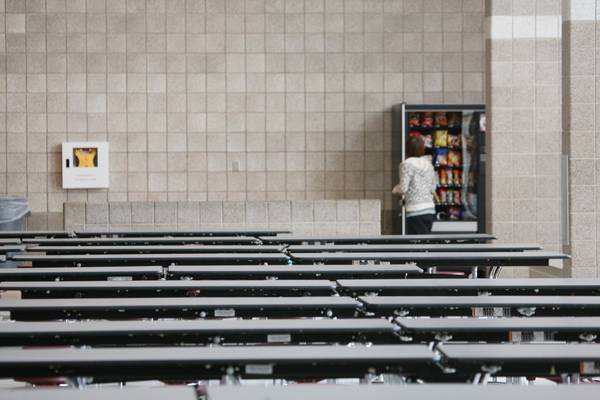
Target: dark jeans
(420, 224)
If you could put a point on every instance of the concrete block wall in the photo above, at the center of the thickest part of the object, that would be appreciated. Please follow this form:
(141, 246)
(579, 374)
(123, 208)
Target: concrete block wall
(351, 217)
(543, 62)
(524, 104)
(223, 100)
(581, 75)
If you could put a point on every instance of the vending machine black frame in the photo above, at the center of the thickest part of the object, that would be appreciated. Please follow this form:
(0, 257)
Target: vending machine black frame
(399, 133)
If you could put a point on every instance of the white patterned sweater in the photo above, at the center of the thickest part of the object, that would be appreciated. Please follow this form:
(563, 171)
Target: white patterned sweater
(417, 183)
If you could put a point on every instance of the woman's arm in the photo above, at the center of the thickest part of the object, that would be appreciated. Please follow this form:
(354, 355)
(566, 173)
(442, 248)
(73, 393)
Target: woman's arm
(402, 187)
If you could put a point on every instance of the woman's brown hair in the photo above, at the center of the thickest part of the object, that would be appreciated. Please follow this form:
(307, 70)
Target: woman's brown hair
(415, 147)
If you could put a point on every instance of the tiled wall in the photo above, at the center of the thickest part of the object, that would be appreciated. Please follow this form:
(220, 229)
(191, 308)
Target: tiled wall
(582, 71)
(524, 101)
(344, 217)
(224, 100)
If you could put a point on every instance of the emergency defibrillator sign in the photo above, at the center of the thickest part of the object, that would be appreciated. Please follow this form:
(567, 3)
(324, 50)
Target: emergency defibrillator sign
(85, 165)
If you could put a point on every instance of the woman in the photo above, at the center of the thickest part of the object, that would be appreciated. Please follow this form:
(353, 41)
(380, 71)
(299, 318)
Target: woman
(417, 187)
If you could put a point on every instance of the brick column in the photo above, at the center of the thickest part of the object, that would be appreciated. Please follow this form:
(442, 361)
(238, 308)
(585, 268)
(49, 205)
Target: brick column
(581, 131)
(523, 97)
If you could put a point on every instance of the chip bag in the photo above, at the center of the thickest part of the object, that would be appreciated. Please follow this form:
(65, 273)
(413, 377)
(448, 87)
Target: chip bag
(454, 158)
(414, 119)
(427, 141)
(443, 177)
(454, 119)
(440, 119)
(415, 134)
(450, 179)
(443, 196)
(441, 138)
(441, 157)
(457, 177)
(456, 213)
(427, 120)
(456, 197)
(454, 141)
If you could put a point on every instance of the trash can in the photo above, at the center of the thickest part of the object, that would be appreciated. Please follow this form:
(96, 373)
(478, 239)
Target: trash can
(13, 211)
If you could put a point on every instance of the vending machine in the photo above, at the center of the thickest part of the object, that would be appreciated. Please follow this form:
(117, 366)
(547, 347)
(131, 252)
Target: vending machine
(454, 139)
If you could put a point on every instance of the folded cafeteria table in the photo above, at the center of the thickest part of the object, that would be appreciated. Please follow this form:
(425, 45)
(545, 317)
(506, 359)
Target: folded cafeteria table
(149, 259)
(143, 240)
(380, 239)
(290, 271)
(403, 392)
(440, 259)
(179, 307)
(104, 393)
(80, 274)
(453, 260)
(34, 234)
(11, 248)
(316, 392)
(148, 288)
(413, 247)
(5, 241)
(496, 330)
(469, 287)
(539, 359)
(187, 362)
(176, 332)
(176, 233)
(156, 249)
(482, 305)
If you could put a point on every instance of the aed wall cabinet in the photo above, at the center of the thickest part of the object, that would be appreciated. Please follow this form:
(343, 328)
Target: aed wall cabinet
(85, 165)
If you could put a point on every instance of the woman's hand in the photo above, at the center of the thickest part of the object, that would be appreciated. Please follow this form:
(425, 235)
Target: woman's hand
(396, 190)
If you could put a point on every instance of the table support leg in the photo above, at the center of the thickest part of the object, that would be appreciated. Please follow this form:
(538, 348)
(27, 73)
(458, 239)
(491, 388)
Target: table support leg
(474, 272)
(368, 378)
